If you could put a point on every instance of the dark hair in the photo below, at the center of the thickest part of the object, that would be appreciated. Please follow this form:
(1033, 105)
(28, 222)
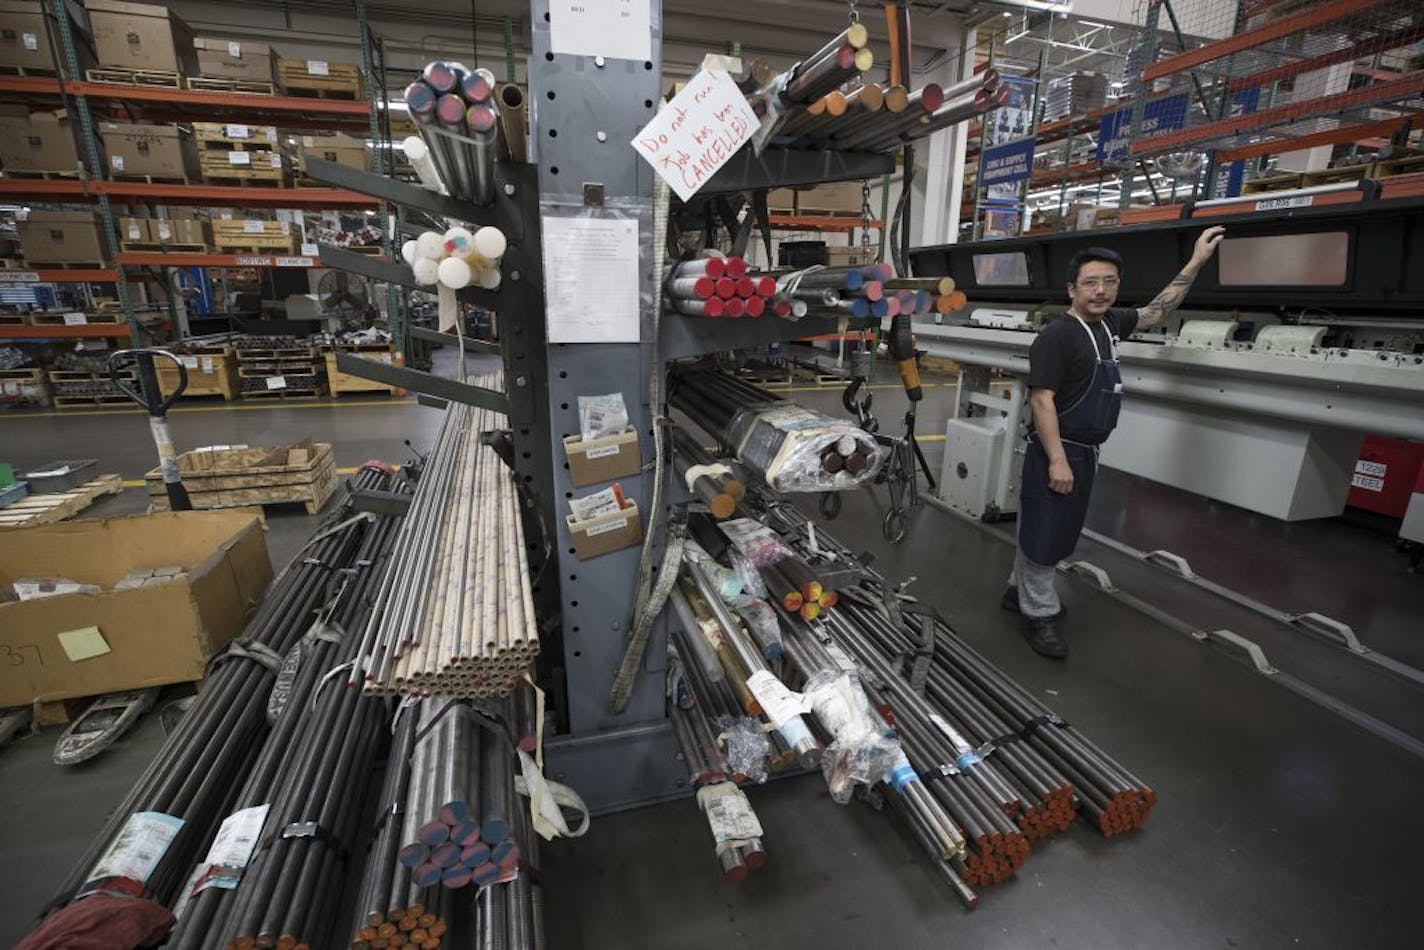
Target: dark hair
(1089, 254)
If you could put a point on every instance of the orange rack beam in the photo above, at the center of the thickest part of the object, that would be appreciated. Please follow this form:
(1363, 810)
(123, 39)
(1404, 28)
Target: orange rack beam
(814, 223)
(75, 189)
(1350, 133)
(87, 331)
(262, 259)
(1409, 85)
(64, 276)
(1261, 35)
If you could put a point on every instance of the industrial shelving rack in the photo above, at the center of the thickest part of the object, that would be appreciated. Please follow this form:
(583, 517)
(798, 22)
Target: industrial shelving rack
(584, 111)
(159, 104)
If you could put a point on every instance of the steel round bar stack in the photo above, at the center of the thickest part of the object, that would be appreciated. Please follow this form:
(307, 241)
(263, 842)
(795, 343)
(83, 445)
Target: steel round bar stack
(328, 644)
(719, 490)
(841, 291)
(1044, 755)
(455, 615)
(721, 287)
(455, 112)
(196, 774)
(289, 895)
(450, 819)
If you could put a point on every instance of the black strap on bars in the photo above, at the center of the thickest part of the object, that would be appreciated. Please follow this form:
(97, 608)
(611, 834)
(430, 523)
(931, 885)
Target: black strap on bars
(311, 829)
(1038, 722)
(246, 650)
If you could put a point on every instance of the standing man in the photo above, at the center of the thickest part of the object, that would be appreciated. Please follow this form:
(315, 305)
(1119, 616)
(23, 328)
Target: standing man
(1075, 394)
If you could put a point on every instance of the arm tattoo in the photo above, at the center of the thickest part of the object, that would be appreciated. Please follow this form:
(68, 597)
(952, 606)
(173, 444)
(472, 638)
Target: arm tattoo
(1168, 300)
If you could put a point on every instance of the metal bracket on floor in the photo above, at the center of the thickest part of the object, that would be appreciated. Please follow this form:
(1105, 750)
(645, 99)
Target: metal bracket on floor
(1172, 562)
(1250, 647)
(1329, 627)
(1091, 571)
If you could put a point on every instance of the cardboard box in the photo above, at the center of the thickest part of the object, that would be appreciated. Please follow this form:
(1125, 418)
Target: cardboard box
(148, 636)
(141, 36)
(136, 230)
(161, 151)
(850, 256)
(24, 36)
(228, 59)
(181, 231)
(606, 533)
(336, 147)
(62, 237)
(602, 460)
(42, 142)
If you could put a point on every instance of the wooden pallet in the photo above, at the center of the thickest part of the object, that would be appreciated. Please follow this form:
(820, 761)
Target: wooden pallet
(246, 86)
(154, 179)
(342, 80)
(1331, 176)
(219, 380)
(265, 369)
(277, 353)
(307, 394)
(89, 402)
(41, 176)
(238, 478)
(1271, 183)
(47, 509)
(339, 382)
(26, 71)
(163, 248)
(1393, 167)
(277, 179)
(57, 319)
(14, 382)
(118, 75)
(214, 136)
(12, 320)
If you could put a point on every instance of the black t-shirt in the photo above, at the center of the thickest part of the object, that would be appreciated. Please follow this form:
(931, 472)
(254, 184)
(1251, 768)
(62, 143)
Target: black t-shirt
(1063, 360)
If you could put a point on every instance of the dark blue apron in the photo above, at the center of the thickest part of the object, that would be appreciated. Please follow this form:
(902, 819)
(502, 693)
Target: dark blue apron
(1049, 523)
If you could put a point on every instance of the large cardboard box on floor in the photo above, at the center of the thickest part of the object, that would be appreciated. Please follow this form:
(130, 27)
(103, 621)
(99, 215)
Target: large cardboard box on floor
(141, 36)
(63, 237)
(159, 151)
(78, 644)
(229, 59)
(42, 142)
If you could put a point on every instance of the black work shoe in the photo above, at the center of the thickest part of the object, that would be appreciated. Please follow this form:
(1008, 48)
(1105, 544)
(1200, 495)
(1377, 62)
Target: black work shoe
(1042, 636)
(1010, 601)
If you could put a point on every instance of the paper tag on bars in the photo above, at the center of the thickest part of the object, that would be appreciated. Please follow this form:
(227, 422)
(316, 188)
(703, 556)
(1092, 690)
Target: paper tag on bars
(317, 67)
(697, 132)
(729, 814)
(276, 382)
(779, 702)
(234, 49)
(232, 849)
(239, 158)
(235, 131)
(75, 319)
(138, 847)
(253, 226)
(276, 161)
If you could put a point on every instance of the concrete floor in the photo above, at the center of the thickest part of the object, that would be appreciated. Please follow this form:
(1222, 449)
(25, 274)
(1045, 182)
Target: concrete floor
(1279, 823)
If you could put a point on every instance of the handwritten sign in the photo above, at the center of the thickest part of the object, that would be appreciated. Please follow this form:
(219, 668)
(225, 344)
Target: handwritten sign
(697, 132)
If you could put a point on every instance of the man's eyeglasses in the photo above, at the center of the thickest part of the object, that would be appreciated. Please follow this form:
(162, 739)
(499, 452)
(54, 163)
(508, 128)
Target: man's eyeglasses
(1093, 283)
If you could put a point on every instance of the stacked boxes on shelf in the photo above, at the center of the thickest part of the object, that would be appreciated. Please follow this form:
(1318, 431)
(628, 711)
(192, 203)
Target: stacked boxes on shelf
(151, 153)
(140, 43)
(319, 79)
(61, 238)
(212, 371)
(229, 66)
(278, 366)
(232, 152)
(36, 144)
(179, 234)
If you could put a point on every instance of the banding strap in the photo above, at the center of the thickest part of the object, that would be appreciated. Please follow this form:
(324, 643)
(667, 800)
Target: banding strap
(711, 470)
(247, 650)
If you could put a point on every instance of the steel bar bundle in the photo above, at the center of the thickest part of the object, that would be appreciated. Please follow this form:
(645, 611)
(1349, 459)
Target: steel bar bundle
(206, 918)
(1043, 754)
(706, 769)
(455, 615)
(790, 447)
(450, 818)
(196, 775)
(841, 291)
(699, 289)
(455, 111)
(717, 489)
